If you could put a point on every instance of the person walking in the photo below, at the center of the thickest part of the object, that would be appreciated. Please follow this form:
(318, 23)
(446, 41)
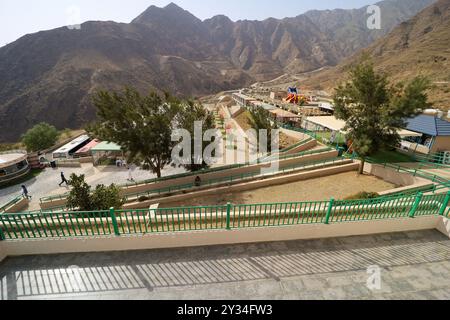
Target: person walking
(63, 180)
(130, 175)
(25, 193)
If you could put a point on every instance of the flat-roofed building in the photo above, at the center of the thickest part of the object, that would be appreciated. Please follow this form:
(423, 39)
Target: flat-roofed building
(13, 165)
(242, 100)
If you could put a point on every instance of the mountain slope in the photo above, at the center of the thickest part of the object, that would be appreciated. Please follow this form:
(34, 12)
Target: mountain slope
(419, 46)
(50, 76)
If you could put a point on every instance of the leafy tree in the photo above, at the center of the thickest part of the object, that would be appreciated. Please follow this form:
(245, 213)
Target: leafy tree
(187, 114)
(80, 194)
(260, 120)
(40, 137)
(106, 197)
(374, 110)
(141, 125)
(102, 198)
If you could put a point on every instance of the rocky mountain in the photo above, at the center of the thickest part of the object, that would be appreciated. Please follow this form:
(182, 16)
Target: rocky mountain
(51, 75)
(419, 46)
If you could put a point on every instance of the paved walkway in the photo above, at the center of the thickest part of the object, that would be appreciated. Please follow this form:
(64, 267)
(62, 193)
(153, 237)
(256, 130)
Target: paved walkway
(46, 184)
(413, 265)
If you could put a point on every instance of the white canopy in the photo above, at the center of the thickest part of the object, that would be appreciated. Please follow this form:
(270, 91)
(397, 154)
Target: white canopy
(331, 123)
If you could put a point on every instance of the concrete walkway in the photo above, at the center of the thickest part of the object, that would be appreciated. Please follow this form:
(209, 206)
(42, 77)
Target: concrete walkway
(413, 265)
(46, 184)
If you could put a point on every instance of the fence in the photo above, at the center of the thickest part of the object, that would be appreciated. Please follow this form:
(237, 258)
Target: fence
(237, 178)
(198, 173)
(223, 217)
(10, 203)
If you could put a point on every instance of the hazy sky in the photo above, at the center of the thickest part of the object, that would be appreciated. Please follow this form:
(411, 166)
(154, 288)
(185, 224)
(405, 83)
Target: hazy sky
(19, 17)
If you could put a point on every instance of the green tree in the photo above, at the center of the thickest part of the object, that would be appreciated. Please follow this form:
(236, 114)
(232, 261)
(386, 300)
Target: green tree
(187, 114)
(141, 125)
(40, 137)
(106, 197)
(102, 198)
(374, 110)
(80, 194)
(260, 120)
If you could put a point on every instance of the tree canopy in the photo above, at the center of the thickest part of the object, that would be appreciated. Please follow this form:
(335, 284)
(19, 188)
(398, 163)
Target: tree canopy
(260, 120)
(187, 114)
(102, 198)
(143, 125)
(42, 136)
(374, 110)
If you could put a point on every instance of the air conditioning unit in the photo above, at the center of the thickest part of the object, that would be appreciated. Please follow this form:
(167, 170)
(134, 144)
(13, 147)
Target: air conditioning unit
(446, 157)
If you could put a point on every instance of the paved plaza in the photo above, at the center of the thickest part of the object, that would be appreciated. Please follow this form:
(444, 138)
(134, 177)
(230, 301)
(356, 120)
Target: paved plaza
(46, 184)
(413, 265)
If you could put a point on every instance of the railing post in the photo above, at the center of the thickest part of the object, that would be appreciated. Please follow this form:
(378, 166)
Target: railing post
(228, 216)
(2, 235)
(444, 205)
(330, 208)
(112, 214)
(416, 205)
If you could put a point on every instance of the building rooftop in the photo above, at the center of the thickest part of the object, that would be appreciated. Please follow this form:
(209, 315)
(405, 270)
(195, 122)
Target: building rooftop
(106, 146)
(7, 159)
(430, 125)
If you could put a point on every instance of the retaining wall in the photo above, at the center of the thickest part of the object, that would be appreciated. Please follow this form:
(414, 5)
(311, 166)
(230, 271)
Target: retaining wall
(406, 180)
(18, 207)
(249, 185)
(226, 173)
(3, 254)
(219, 237)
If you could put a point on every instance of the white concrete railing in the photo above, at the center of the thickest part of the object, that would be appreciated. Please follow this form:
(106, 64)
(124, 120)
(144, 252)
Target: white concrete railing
(220, 237)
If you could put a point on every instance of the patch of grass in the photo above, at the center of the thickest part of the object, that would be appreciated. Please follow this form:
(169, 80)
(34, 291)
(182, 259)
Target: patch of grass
(31, 175)
(391, 157)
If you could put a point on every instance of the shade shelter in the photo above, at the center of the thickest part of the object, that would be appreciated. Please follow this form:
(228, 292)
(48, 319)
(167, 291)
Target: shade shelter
(433, 133)
(106, 153)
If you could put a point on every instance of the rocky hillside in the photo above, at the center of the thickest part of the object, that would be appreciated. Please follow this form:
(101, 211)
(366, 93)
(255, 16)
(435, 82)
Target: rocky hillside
(419, 46)
(51, 75)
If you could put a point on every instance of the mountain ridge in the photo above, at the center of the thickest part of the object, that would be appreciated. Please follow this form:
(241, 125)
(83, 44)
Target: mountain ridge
(51, 75)
(417, 47)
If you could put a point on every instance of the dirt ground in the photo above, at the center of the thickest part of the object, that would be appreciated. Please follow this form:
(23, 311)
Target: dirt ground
(338, 186)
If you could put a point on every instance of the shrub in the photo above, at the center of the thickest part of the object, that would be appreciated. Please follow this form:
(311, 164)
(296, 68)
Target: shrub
(144, 198)
(40, 137)
(102, 198)
(363, 196)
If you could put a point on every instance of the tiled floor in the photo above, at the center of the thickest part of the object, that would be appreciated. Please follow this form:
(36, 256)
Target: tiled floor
(413, 265)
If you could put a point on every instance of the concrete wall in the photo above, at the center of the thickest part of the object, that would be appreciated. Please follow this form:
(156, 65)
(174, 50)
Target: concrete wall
(250, 185)
(444, 226)
(53, 204)
(219, 237)
(391, 175)
(307, 146)
(86, 160)
(3, 254)
(406, 180)
(206, 177)
(18, 207)
(441, 144)
(227, 173)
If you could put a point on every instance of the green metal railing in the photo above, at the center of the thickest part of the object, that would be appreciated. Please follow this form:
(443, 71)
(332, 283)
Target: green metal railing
(35, 225)
(235, 178)
(199, 173)
(10, 203)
